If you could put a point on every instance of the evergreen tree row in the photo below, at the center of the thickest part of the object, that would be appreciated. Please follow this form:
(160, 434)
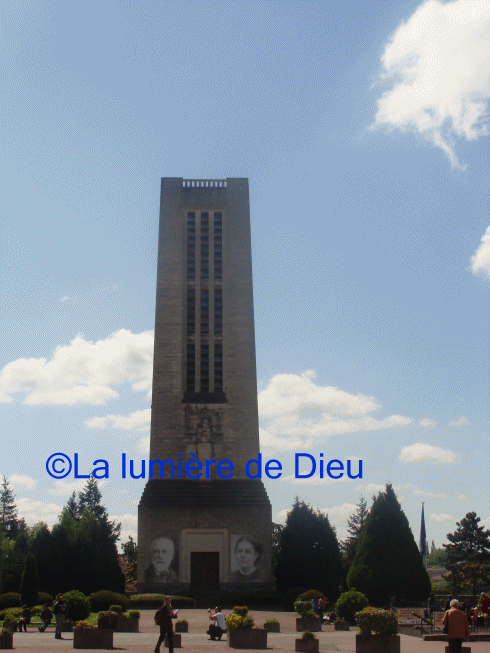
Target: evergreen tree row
(79, 552)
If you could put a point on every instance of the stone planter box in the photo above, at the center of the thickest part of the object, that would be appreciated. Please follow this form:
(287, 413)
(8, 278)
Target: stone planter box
(128, 625)
(248, 638)
(313, 625)
(181, 628)
(7, 641)
(342, 625)
(68, 626)
(377, 643)
(93, 638)
(177, 640)
(306, 645)
(273, 628)
(11, 625)
(464, 649)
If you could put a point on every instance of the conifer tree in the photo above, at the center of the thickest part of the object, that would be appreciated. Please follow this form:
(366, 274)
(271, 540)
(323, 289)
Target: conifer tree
(72, 506)
(355, 525)
(468, 553)
(90, 499)
(388, 561)
(8, 510)
(309, 554)
(29, 585)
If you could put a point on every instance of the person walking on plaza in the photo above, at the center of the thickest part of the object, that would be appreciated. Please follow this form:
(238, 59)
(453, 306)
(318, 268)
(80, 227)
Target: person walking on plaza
(458, 627)
(60, 614)
(163, 618)
(217, 628)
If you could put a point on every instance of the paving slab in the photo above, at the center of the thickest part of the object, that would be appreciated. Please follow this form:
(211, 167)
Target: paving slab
(196, 639)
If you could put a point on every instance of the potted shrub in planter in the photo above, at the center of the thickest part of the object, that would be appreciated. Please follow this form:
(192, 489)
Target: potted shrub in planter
(182, 626)
(307, 620)
(11, 619)
(377, 631)
(241, 631)
(307, 644)
(346, 607)
(6, 638)
(129, 622)
(272, 626)
(77, 609)
(87, 636)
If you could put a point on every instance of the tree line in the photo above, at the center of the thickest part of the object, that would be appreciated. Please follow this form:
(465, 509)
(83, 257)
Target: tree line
(79, 552)
(379, 557)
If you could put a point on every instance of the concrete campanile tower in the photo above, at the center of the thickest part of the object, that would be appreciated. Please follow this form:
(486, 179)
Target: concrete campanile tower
(209, 533)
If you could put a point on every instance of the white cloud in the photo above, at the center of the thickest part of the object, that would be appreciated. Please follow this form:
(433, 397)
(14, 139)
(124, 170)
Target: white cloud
(137, 421)
(36, 511)
(295, 412)
(427, 423)
(462, 421)
(419, 452)
(297, 394)
(423, 493)
(440, 518)
(83, 372)
(480, 261)
(315, 479)
(19, 480)
(65, 488)
(144, 445)
(371, 487)
(437, 66)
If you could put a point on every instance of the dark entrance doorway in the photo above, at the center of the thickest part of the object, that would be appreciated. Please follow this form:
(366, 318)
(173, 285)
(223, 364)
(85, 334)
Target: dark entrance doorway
(205, 571)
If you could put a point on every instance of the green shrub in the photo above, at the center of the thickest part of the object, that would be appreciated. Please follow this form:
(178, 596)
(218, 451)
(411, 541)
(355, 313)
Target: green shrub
(135, 614)
(349, 603)
(36, 610)
(303, 608)
(116, 608)
(313, 594)
(77, 605)
(44, 597)
(155, 601)
(12, 615)
(10, 600)
(271, 621)
(107, 619)
(379, 622)
(29, 584)
(241, 610)
(234, 621)
(84, 624)
(290, 597)
(103, 599)
(308, 635)
(182, 621)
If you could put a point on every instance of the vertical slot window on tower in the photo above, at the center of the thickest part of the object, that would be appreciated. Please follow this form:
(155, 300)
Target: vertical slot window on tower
(218, 246)
(191, 311)
(204, 245)
(191, 368)
(218, 367)
(204, 311)
(204, 368)
(191, 245)
(218, 312)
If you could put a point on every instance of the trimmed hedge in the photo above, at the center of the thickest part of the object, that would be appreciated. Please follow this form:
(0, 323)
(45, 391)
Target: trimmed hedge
(107, 619)
(313, 594)
(349, 603)
(44, 597)
(77, 605)
(10, 600)
(155, 601)
(379, 622)
(102, 600)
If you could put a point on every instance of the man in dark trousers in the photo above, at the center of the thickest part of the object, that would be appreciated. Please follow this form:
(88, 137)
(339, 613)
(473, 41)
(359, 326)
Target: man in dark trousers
(163, 618)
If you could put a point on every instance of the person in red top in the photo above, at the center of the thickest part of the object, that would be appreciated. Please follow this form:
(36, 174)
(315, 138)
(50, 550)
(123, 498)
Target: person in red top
(485, 603)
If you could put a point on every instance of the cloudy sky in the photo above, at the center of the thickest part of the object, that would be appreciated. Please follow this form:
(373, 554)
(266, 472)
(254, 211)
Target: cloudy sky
(363, 128)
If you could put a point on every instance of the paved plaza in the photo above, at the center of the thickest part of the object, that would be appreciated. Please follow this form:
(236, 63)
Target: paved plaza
(197, 640)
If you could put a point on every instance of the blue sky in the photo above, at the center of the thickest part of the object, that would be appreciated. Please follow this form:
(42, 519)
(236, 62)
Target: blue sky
(363, 128)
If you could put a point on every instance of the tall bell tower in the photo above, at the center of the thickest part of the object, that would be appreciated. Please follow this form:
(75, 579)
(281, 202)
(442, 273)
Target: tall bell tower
(204, 526)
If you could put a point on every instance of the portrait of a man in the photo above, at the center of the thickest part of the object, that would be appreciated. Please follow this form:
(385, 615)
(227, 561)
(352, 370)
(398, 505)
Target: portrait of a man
(162, 553)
